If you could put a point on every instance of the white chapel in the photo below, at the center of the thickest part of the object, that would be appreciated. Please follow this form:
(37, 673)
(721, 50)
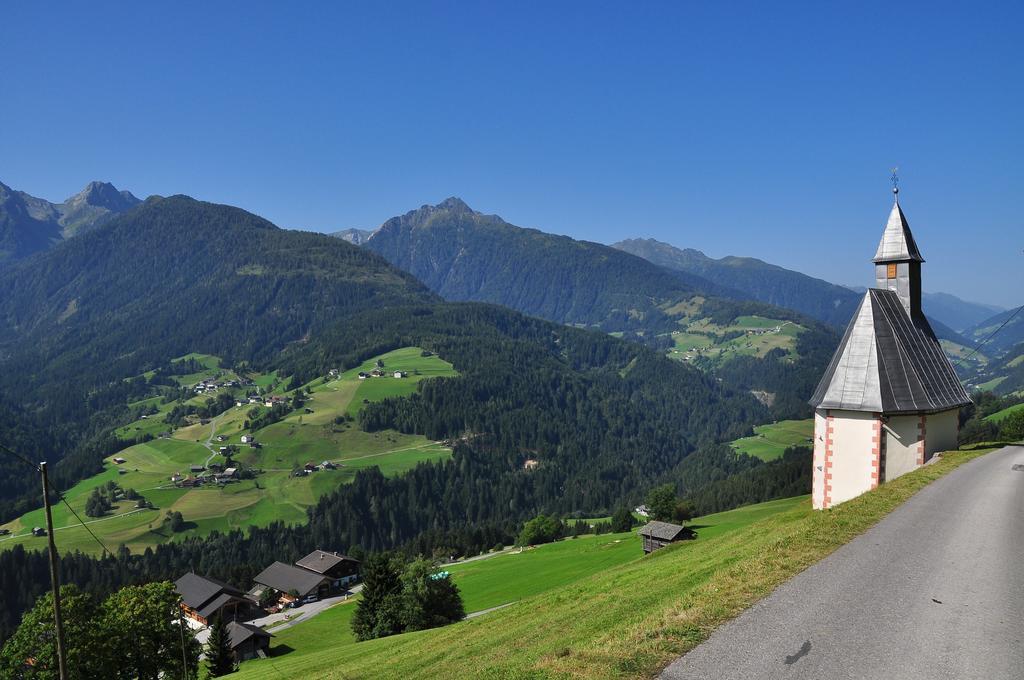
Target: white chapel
(889, 399)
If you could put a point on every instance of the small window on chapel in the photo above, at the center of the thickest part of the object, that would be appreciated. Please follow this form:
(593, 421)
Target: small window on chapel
(890, 271)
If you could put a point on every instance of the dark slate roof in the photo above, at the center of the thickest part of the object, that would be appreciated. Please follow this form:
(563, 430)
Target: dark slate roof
(897, 242)
(208, 610)
(665, 531)
(196, 590)
(321, 561)
(240, 632)
(889, 363)
(286, 578)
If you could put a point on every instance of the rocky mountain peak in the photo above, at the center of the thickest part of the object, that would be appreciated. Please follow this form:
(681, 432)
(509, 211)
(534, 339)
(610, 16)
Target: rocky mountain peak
(103, 195)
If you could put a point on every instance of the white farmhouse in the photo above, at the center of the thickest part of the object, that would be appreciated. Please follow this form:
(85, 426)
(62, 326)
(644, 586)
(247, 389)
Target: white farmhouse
(889, 399)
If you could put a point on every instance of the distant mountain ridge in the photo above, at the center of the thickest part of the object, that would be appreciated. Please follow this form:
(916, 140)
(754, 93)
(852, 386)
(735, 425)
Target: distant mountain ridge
(356, 237)
(29, 225)
(465, 255)
(834, 304)
(758, 279)
(1005, 337)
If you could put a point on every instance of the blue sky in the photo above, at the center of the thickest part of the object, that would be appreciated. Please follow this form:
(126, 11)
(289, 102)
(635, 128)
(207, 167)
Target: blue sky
(747, 129)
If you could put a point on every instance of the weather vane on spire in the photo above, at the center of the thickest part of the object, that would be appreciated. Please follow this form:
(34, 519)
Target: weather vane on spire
(895, 181)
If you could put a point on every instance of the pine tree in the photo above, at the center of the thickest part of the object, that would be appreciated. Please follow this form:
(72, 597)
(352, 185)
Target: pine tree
(377, 613)
(622, 520)
(219, 658)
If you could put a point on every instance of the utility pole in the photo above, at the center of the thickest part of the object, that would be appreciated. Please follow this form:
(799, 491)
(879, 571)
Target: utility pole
(58, 622)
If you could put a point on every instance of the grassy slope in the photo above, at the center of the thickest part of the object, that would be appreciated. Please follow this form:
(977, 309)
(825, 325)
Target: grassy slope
(630, 621)
(296, 440)
(1000, 416)
(701, 340)
(770, 441)
(492, 582)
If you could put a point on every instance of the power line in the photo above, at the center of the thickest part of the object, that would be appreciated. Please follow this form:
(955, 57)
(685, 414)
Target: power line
(84, 525)
(990, 336)
(60, 496)
(20, 457)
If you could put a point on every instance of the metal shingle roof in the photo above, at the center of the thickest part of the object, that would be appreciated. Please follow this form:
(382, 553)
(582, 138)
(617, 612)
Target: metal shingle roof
(889, 363)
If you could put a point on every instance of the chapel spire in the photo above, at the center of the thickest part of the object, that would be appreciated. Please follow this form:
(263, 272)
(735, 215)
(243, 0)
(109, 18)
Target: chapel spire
(898, 260)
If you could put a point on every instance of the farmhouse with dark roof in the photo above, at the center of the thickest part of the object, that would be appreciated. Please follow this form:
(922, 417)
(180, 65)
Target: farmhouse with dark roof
(889, 399)
(341, 569)
(202, 598)
(289, 583)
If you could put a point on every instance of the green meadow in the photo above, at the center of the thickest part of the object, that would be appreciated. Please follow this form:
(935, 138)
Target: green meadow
(703, 342)
(1000, 416)
(323, 430)
(771, 441)
(501, 579)
(623, 621)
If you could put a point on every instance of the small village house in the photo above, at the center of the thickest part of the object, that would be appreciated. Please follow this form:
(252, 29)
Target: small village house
(657, 535)
(248, 438)
(341, 569)
(203, 598)
(287, 584)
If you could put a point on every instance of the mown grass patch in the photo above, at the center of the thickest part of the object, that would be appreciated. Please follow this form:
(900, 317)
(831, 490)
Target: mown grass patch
(628, 621)
(771, 441)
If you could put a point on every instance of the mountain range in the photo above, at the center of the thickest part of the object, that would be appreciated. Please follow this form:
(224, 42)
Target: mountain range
(29, 225)
(828, 302)
(462, 254)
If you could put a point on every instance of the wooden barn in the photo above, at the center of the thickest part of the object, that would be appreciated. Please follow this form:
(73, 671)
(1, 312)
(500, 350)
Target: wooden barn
(659, 534)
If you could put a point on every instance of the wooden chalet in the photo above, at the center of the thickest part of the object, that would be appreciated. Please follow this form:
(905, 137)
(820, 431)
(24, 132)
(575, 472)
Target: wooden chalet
(288, 583)
(341, 569)
(659, 534)
(248, 641)
(203, 598)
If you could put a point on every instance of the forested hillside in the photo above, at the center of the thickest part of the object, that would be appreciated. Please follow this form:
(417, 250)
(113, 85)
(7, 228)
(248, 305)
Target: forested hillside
(465, 255)
(169, 277)
(462, 255)
(1010, 334)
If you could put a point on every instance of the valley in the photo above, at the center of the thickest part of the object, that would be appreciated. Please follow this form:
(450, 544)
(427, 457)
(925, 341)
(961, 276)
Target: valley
(311, 450)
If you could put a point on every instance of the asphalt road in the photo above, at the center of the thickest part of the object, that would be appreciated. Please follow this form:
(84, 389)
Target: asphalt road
(933, 591)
